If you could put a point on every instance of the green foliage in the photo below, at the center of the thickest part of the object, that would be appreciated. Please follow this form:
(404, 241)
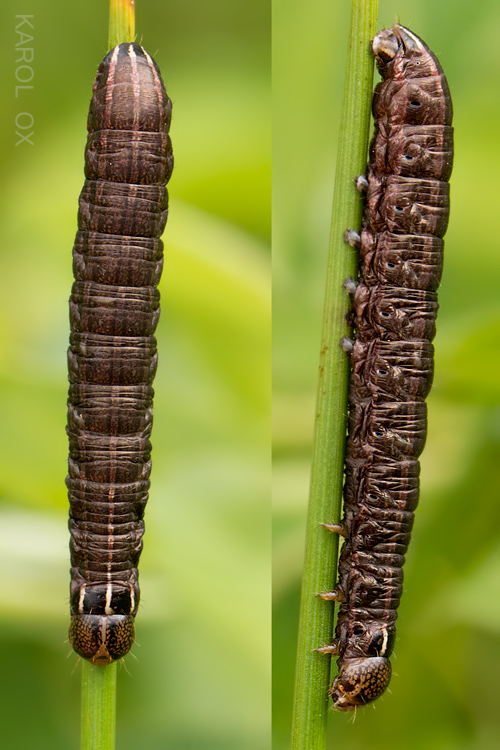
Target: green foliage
(201, 677)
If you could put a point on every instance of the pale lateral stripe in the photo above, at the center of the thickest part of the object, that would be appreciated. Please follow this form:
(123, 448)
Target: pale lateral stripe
(415, 38)
(81, 602)
(109, 83)
(158, 84)
(425, 50)
(384, 644)
(135, 86)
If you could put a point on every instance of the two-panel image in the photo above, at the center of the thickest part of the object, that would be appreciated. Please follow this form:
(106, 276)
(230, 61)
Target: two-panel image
(249, 394)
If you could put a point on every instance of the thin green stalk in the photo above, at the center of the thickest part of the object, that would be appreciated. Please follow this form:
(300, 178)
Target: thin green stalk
(99, 682)
(98, 706)
(316, 615)
(121, 22)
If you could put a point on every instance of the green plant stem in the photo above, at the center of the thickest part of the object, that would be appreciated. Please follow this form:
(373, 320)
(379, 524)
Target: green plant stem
(98, 706)
(99, 682)
(121, 22)
(316, 615)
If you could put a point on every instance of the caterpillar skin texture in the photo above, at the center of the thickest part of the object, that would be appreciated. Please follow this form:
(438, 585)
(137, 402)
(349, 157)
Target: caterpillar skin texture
(114, 309)
(394, 313)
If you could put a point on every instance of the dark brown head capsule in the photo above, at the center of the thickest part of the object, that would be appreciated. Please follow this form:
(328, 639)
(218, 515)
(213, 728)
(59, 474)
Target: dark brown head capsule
(102, 639)
(360, 681)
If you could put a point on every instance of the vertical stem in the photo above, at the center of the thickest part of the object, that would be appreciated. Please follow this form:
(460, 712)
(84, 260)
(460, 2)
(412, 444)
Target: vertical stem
(98, 706)
(316, 615)
(98, 703)
(121, 22)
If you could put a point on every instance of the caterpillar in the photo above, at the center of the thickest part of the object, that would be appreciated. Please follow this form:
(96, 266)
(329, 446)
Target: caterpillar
(112, 358)
(394, 307)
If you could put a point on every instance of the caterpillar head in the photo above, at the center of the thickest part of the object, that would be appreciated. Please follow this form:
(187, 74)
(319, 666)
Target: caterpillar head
(360, 681)
(101, 639)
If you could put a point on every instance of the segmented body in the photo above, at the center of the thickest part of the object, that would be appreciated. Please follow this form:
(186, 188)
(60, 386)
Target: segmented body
(394, 313)
(114, 309)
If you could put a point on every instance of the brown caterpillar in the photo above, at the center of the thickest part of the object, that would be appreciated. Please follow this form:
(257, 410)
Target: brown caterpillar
(114, 309)
(394, 313)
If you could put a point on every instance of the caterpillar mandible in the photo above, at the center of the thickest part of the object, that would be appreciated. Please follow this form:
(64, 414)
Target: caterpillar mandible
(114, 309)
(394, 313)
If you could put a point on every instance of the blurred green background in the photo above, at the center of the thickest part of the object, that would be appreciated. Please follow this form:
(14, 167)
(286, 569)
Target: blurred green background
(444, 694)
(201, 678)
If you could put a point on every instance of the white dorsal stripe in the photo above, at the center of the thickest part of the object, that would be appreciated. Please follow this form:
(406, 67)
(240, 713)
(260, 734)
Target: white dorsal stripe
(109, 593)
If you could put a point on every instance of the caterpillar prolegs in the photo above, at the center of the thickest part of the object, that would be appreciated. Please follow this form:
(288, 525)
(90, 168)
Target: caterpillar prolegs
(114, 309)
(394, 313)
